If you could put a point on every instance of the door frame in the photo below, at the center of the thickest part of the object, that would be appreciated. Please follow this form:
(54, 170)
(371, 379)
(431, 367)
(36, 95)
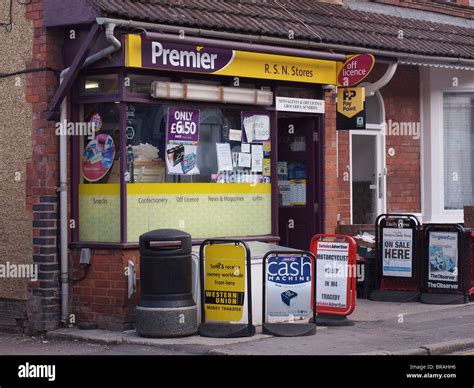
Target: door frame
(380, 166)
(318, 164)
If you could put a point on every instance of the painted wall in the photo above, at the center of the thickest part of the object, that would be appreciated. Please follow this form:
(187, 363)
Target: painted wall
(15, 149)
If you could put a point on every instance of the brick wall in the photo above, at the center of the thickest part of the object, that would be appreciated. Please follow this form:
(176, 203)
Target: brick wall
(102, 297)
(331, 189)
(401, 101)
(42, 175)
(402, 105)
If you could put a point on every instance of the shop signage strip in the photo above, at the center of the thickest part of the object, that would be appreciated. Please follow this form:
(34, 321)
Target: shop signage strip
(141, 52)
(300, 105)
(336, 260)
(197, 188)
(288, 293)
(225, 278)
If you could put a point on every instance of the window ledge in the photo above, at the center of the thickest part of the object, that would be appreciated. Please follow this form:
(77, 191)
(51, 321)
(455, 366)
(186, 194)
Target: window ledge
(135, 245)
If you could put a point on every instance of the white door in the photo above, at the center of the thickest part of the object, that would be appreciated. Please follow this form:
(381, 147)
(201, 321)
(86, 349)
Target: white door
(367, 176)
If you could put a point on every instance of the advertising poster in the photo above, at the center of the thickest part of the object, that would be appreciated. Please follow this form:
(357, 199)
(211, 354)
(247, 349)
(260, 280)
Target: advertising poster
(256, 126)
(98, 157)
(288, 286)
(224, 282)
(443, 256)
(182, 139)
(332, 271)
(397, 252)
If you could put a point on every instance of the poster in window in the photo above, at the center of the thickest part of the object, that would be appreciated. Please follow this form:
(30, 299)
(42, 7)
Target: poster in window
(98, 157)
(256, 126)
(182, 139)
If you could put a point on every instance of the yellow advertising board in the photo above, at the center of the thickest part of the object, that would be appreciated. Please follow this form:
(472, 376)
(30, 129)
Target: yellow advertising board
(142, 52)
(224, 282)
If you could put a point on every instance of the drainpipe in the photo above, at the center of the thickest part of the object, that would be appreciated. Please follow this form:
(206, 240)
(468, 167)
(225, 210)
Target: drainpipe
(115, 45)
(371, 88)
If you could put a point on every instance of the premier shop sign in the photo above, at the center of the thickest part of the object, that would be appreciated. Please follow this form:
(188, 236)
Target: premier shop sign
(143, 52)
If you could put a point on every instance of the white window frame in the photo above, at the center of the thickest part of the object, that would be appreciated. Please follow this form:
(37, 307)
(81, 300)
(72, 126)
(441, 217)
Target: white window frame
(434, 82)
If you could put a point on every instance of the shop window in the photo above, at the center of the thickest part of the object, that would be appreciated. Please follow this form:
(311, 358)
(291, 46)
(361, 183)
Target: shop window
(99, 182)
(141, 83)
(205, 171)
(458, 136)
(100, 84)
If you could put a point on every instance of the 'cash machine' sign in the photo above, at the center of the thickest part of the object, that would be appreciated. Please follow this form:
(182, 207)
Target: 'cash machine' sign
(289, 285)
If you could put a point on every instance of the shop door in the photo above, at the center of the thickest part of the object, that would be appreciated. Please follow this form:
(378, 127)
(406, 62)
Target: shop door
(298, 181)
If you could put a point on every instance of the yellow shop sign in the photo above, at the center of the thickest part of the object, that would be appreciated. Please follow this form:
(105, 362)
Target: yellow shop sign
(147, 53)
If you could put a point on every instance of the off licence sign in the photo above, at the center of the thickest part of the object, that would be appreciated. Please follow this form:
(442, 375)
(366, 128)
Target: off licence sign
(355, 69)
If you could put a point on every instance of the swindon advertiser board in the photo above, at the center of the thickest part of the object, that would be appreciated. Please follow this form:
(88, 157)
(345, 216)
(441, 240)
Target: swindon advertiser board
(333, 271)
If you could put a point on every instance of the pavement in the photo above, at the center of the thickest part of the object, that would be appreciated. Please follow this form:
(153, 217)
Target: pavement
(380, 328)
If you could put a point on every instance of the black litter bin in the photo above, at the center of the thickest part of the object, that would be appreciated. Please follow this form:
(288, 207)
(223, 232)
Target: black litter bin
(166, 307)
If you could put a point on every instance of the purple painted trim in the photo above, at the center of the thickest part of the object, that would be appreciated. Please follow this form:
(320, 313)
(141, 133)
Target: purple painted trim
(75, 174)
(97, 99)
(58, 13)
(322, 169)
(123, 168)
(71, 75)
(274, 173)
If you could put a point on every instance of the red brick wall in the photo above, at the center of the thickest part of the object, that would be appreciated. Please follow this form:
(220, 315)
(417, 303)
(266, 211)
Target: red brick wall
(102, 297)
(331, 189)
(43, 174)
(401, 101)
(402, 104)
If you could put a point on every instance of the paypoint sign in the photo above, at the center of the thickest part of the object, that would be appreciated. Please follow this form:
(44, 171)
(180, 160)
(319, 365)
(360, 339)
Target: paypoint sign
(350, 108)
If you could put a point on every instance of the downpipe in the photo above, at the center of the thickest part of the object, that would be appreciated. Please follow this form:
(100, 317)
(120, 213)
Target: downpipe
(115, 45)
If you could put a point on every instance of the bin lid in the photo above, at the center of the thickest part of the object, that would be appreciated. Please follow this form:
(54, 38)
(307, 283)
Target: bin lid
(182, 242)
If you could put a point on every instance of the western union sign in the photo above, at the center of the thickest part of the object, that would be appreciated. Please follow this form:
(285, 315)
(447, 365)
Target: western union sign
(141, 52)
